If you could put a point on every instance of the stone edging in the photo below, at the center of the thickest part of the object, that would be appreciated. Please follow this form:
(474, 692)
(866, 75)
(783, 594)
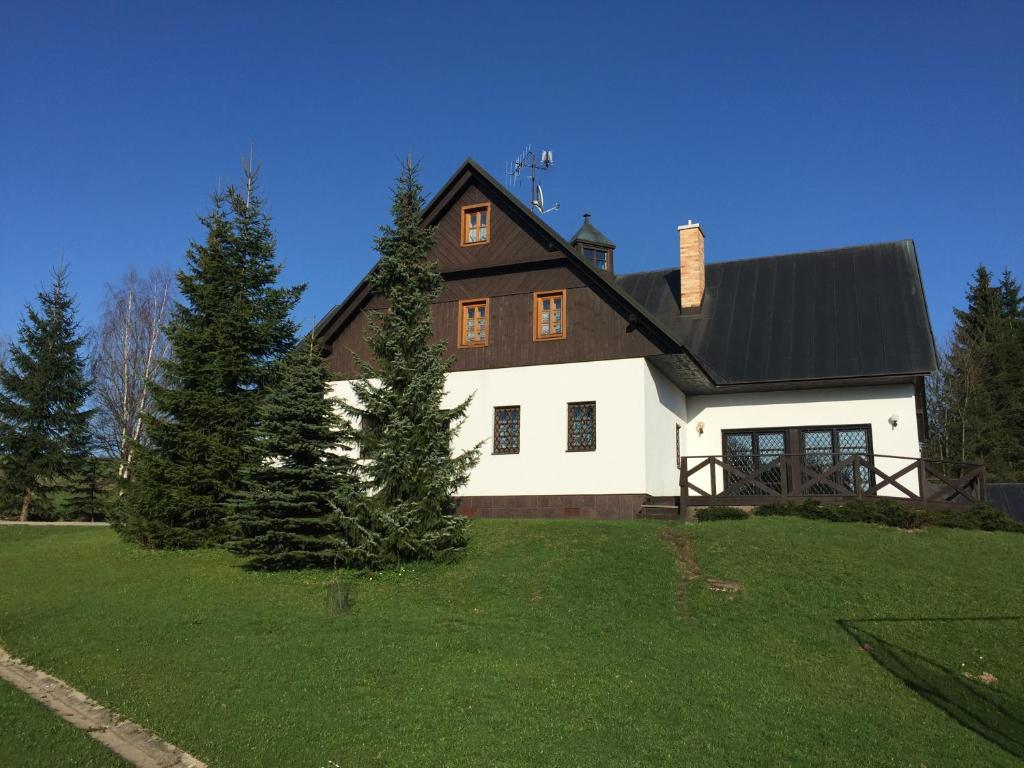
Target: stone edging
(123, 737)
(68, 523)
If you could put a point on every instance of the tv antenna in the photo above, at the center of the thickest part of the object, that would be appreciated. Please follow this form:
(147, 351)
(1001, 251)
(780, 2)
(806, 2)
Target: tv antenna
(528, 160)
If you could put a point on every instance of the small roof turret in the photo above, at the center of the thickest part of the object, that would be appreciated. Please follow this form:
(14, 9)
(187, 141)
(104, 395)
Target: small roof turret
(591, 235)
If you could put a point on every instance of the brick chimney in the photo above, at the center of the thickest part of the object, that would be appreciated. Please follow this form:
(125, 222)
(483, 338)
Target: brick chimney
(691, 266)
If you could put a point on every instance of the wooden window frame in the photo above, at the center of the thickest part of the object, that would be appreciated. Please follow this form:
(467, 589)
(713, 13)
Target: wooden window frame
(595, 249)
(466, 210)
(835, 429)
(568, 427)
(462, 343)
(519, 430)
(537, 296)
(787, 438)
(794, 435)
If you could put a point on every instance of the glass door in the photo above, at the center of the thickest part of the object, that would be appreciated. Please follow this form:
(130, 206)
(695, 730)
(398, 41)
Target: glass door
(825, 447)
(754, 454)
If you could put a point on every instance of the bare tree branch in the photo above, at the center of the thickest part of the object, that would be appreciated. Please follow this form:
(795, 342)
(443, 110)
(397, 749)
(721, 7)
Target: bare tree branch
(126, 360)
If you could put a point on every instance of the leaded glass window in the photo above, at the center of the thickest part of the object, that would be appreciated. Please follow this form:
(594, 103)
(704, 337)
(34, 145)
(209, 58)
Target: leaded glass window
(826, 448)
(754, 454)
(373, 430)
(582, 427)
(506, 429)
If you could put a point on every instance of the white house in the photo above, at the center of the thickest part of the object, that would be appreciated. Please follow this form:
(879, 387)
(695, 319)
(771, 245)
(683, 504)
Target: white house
(801, 374)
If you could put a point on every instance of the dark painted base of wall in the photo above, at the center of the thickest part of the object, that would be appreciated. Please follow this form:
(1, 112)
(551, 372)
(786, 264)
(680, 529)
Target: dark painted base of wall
(611, 506)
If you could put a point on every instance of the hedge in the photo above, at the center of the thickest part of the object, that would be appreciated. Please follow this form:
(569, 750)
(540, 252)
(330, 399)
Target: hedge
(721, 513)
(889, 512)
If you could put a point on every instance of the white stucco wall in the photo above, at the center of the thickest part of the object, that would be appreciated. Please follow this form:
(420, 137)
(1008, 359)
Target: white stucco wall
(665, 407)
(809, 408)
(543, 466)
(637, 413)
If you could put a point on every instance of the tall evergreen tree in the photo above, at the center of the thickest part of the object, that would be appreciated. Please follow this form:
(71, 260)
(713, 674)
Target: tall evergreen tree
(976, 408)
(44, 424)
(289, 513)
(231, 327)
(1007, 383)
(406, 437)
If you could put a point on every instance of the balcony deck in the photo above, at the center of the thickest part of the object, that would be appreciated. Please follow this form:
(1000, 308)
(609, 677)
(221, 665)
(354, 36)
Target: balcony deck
(737, 481)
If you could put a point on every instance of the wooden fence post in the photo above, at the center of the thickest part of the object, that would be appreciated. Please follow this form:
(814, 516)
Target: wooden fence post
(684, 489)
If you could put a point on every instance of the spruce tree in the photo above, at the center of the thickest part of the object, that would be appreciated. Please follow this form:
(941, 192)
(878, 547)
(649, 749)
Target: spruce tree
(44, 424)
(289, 513)
(1007, 383)
(406, 435)
(976, 411)
(91, 490)
(226, 334)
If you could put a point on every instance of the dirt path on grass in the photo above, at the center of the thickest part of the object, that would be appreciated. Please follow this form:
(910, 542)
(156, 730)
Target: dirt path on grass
(123, 737)
(679, 540)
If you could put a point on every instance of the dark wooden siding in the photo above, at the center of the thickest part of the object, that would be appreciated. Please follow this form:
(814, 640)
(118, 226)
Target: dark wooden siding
(595, 329)
(509, 242)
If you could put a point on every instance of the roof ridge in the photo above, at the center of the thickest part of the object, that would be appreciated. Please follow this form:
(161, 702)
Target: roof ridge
(646, 272)
(815, 251)
(775, 256)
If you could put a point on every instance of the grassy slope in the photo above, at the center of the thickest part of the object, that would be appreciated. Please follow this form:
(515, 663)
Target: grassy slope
(32, 735)
(553, 643)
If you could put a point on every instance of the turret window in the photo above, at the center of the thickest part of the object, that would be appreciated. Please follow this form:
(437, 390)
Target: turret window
(596, 256)
(593, 247)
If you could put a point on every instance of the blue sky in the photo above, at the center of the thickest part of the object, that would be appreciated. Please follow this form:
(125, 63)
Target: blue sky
(780, 129)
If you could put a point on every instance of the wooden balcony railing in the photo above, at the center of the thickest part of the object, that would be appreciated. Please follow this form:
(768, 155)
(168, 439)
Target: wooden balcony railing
(740, 481)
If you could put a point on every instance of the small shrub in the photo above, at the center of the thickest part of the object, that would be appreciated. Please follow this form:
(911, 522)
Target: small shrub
(721, 513)
(881, 512)
(983, 517)
(808, 508)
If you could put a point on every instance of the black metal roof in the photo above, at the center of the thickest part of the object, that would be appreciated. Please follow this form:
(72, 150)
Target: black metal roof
(842, 313)
(796, 319)
(591, 235)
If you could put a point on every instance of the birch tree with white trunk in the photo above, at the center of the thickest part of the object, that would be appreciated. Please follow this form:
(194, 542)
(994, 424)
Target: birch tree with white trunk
(127, 358)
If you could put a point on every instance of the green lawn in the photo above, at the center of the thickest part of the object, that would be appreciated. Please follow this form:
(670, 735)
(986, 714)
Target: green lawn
(32, 735)
(560, 643)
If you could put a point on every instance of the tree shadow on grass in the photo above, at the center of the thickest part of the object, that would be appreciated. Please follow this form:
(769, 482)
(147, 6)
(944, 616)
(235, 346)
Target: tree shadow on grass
(992, 714)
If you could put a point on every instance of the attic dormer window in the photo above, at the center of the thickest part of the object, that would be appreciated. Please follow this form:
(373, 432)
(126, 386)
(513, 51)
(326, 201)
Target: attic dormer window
(476, 220)
(596, 256)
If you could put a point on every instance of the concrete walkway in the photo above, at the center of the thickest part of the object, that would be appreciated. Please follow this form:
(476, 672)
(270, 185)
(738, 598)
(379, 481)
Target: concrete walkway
(76, 523)
(123, 737)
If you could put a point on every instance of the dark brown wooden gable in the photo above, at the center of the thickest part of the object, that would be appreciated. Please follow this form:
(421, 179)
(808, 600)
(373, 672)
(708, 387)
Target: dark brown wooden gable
(513, 239)
(596, 328)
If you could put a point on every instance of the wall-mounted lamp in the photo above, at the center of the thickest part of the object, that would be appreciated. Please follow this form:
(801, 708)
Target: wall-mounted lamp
(700, 427)
(894, 421)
